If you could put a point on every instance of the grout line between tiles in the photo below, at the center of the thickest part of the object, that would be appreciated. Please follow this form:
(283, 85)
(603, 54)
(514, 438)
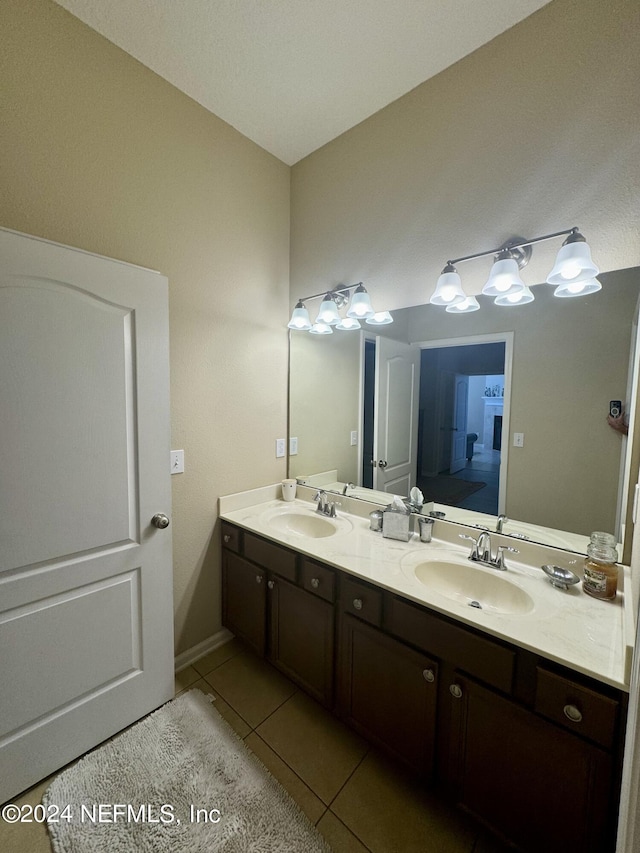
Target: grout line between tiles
(348, 828)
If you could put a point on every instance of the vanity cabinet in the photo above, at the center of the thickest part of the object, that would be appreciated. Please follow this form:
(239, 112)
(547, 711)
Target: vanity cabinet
(539, 786)
(530, 748)
(388, 693)
(281, 605)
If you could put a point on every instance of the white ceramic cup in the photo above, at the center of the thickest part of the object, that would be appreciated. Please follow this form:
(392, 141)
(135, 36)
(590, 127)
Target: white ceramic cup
(288, 490)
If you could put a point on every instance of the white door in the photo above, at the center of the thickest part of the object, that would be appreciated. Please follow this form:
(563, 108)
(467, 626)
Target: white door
(396, 416)
(86, 616)
(459, 423)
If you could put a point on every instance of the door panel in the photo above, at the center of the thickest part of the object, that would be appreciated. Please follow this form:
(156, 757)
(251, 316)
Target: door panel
(51, 437)
(396, 416)
(86, 634)
(459, 431)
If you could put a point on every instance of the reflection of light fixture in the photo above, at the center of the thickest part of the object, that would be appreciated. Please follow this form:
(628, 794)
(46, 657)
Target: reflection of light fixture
(320, 329)
(574, 274)
(333, 301)
(520, 297)
(577, 288)
(348, 324)
(468, 304)
(381, 318)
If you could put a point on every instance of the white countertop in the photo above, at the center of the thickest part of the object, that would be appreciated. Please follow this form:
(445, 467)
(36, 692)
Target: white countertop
(567, 626)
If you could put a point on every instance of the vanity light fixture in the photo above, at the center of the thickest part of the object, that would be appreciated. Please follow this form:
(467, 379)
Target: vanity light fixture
(300, 318)
(574, 274)
(329, 316)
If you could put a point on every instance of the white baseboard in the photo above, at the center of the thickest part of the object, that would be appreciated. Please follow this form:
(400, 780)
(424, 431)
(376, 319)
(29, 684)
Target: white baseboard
(198, 651)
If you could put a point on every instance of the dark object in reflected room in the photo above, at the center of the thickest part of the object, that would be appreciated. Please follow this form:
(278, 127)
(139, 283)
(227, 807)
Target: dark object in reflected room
(471, 438)
(497, 432)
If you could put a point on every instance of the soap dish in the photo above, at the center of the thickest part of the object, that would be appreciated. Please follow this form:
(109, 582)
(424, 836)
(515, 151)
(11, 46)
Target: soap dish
(559, 577)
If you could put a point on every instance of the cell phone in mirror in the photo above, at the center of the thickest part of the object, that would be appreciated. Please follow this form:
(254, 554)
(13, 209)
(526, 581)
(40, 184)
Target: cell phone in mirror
(615, 408)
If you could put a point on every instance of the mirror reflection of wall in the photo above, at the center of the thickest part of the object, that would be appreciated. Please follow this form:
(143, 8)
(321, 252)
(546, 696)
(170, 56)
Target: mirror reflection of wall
(570, 357)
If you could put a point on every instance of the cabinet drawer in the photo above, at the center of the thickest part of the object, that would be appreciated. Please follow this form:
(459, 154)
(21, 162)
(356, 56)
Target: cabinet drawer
(577, 708)
(485, 659)
(231, 537)
(361, 600)
(270, 556)
(318, 579)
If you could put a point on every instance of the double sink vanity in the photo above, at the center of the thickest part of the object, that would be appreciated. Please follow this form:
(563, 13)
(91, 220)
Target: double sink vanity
(507, 694)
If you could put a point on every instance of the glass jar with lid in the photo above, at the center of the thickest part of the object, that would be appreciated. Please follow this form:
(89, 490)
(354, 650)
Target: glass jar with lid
(600, 570)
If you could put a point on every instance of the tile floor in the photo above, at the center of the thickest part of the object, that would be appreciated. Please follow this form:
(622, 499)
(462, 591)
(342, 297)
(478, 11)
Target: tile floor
(359, 800)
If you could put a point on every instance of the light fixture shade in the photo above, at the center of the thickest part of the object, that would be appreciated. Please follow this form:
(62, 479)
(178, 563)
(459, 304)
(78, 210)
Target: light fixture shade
(468, 304)
(348, 324)
(328, 311)
(521, 297)
(381, 318)
(448, 288)
(360, 307)
(504, 278)
(300, 318)
(573, 262)
(577, 288)
(320, 329)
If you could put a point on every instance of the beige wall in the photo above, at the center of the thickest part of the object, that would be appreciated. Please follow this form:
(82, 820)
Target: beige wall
(100, 153)
(534, 132)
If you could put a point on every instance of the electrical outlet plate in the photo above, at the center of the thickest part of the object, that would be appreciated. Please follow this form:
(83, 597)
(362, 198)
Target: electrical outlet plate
(293, 446)
(280, 447)
(177, 462)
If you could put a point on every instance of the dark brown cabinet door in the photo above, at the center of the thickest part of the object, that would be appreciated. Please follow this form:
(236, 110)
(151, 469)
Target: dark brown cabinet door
(301, 635)
(244, 600)
(539, 786)
(388, 692)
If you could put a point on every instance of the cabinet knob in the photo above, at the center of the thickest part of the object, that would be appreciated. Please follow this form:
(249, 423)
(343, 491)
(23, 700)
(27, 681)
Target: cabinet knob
(456, 691)
(572, 713)
(227, 537)
(315, 583)
(258, 578)
(357, 604)
(271, 584)
(428, 675)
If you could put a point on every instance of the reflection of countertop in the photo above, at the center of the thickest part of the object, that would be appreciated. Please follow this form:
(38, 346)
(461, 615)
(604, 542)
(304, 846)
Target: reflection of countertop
(590, 636)
(518, 529)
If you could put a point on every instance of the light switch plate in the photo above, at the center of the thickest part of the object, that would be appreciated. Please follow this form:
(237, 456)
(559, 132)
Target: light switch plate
(281, 445)
(177, 461)
(293, 446)
(518, 439)
(354, 437)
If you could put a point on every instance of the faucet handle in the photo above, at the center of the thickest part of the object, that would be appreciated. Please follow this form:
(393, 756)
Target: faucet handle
(474, 548)
(500, 564)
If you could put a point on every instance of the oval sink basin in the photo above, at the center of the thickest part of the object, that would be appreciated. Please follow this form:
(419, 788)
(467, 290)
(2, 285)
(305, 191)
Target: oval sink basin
(305, 524)
(475, 587)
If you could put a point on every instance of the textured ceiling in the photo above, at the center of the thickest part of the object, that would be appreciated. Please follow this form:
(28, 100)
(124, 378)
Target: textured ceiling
(294, 74)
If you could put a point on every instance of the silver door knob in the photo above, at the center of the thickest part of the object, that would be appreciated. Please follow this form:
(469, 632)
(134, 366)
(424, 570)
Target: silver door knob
(382, 464)
(160, 520)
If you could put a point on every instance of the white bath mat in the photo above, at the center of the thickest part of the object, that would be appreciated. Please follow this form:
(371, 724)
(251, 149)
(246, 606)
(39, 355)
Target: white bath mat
(179, 781)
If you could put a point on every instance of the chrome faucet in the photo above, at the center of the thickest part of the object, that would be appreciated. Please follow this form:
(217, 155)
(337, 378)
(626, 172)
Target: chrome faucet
(481, 551)
(347, 486)
(500, 523)
(325, 506)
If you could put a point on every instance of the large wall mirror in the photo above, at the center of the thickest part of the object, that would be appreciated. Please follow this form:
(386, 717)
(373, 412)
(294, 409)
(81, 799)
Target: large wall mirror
(531, 383)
